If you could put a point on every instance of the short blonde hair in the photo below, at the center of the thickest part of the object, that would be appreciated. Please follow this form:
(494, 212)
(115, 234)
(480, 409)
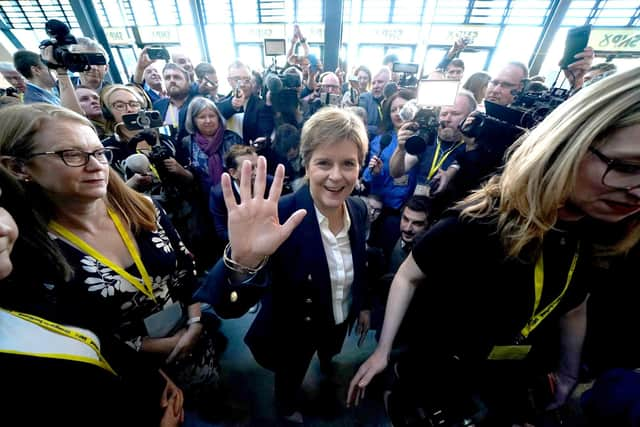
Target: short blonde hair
(540, 174)
(330, 125)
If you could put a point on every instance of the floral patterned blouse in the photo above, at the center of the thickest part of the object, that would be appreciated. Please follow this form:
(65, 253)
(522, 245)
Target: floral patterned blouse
(119, 306)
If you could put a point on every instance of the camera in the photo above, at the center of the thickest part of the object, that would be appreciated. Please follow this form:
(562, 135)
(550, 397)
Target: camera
(61, 39)
(10, 91)
(143, 119)
(159, 153)
(427, 130)
(409, 72)
(158, 52)
(505, 124)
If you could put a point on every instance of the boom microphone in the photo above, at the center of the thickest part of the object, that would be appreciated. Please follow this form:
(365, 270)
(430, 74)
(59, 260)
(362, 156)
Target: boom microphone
(138, 163)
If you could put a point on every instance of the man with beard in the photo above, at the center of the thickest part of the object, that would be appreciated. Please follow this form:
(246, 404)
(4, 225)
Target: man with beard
(413, 221)
(174, 108)
(438, 155)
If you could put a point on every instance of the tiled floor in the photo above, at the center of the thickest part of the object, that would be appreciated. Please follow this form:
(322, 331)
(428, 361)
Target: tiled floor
(249, 388)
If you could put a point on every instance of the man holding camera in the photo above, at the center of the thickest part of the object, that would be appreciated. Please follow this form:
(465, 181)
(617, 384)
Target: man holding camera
(41, 85)
(328, 92)
(245, 113)
(372, 101)
(435, 156)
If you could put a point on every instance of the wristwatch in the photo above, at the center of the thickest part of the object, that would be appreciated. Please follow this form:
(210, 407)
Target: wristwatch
(193, 320)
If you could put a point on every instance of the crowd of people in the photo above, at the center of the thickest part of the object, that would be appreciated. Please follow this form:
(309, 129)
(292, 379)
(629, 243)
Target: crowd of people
(491, 260)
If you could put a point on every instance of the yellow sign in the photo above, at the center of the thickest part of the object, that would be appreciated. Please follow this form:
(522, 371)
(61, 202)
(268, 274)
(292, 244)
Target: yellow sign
(118, 36)
(615, 39)
(159, 35)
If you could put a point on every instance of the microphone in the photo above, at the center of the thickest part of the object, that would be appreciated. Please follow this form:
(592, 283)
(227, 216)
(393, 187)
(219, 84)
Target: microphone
(138, 163)
(389, 89)
(385, 140)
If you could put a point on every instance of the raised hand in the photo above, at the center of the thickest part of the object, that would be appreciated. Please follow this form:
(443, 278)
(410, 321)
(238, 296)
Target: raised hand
(254, 228)
(576, 70)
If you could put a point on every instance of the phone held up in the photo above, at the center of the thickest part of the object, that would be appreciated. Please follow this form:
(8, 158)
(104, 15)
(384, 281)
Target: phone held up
(158, 52)
(577, 40)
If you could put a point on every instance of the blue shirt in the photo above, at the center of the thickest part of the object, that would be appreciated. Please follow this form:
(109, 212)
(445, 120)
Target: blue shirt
(33, 94)
(393, 191)
(419, 173)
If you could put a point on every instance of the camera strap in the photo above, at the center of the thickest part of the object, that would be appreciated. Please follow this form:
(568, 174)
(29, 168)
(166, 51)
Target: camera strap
(437, 161)
(145, 285)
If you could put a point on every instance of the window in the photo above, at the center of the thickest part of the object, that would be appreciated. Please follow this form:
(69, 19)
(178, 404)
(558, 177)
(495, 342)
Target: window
(450, 11)
(375, 11)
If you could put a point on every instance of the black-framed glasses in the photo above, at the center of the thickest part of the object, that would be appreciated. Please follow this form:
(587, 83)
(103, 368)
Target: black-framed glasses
(77, 158)
(618, 175)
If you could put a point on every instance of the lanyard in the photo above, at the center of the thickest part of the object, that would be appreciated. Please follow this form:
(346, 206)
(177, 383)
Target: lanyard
(144, 285)
(153, 168)
(538, 316)
(67, 332)
(436, 163)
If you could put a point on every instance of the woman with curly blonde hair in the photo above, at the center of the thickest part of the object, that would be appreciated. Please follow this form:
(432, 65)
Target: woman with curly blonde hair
(527, 242)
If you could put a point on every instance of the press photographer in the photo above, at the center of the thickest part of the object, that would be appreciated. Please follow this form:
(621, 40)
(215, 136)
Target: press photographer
(283, 90)
(492, 136)
(165, 174)
(328, 92)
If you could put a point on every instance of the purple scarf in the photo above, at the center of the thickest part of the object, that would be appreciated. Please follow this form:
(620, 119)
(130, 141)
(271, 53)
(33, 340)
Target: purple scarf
(211, 147)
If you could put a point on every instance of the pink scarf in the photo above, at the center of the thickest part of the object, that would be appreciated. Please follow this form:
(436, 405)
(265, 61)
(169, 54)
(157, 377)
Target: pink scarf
(211, 147)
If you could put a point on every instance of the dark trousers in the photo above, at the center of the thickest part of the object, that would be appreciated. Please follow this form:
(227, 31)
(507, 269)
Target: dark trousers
(290, 373)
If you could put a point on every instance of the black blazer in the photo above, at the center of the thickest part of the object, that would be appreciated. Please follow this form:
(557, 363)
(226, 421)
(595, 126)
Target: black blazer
(296, 288)
(162, 105)
(258, 117)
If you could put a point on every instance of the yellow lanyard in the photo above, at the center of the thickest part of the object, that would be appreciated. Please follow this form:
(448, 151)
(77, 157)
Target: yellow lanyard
(436, 162)
(145, 285)
(67, 332)
(153, 168)
(538, 316)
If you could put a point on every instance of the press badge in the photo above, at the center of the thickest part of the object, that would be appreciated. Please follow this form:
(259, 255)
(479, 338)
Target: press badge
(403, 180)
(509, 352)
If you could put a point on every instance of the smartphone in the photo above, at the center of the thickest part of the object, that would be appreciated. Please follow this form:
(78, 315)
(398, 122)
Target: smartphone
(577, 40)
(143, 119)
(158, 52)
(237, 92)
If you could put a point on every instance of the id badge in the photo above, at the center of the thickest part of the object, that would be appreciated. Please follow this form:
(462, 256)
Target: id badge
(403, 180)
(421, 190)
(509, 352)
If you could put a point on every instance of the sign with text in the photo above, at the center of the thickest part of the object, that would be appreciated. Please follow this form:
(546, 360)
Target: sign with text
(253, 33)
(158, 35)
(384, 34)
(480, 35)
(615, 39)
(118, 36)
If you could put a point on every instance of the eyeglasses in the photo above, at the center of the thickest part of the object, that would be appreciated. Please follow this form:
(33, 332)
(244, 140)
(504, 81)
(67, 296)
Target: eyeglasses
(122, 106)
(77, 158)
(240, 80)
(619, 175)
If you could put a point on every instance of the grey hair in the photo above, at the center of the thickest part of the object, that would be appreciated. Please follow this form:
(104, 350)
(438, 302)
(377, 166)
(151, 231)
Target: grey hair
(93, 45)
(196, 106)
(471, 99)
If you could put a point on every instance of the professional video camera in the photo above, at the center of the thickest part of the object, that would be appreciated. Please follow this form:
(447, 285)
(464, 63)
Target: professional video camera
(284, 92)
(507, 123)
(409, 71)
(61, 39)
(432, 94)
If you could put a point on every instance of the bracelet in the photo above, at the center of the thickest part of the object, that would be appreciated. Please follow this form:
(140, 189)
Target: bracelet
(193, 320)
(239, 268)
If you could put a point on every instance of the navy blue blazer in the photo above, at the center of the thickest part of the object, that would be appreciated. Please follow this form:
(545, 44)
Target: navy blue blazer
(296, 287)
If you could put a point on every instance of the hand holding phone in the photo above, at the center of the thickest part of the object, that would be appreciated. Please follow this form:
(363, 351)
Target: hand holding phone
(158, 52)
(577, 40)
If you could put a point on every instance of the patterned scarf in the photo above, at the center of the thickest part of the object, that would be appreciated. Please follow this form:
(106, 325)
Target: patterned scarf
(211, 147)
